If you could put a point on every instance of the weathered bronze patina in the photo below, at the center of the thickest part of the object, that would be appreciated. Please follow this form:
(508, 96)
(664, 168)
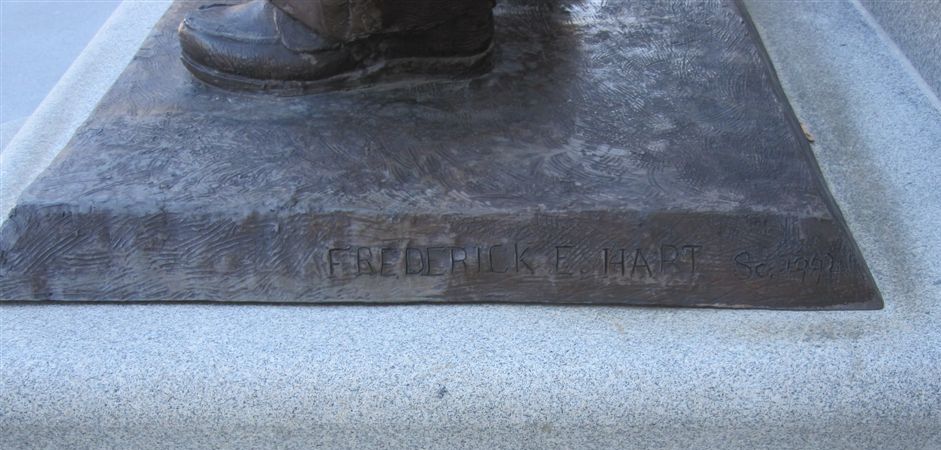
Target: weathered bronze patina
(632, 153)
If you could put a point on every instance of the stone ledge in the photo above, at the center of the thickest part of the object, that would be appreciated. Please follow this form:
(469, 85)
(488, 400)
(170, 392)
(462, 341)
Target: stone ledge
(536, 376)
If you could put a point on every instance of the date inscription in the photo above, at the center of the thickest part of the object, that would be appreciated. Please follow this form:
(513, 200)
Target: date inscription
(814, 267)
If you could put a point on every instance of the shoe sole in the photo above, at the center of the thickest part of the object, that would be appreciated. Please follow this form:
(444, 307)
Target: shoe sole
(387, 72)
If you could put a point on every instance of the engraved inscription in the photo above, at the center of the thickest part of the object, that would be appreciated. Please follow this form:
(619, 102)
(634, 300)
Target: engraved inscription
(812, 267)
(515, 258)
(638, 262)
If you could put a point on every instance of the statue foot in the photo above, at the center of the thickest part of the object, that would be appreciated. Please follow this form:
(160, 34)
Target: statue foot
(254, 44)
(257, 46)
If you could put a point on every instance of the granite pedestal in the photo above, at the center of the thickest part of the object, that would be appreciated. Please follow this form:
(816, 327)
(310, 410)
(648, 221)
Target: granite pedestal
(535, 376)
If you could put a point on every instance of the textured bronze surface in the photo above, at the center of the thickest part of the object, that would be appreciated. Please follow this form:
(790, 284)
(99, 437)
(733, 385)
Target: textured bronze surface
(636, 153)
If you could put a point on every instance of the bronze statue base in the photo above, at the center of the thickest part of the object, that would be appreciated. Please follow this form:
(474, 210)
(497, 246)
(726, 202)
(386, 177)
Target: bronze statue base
(632, 153)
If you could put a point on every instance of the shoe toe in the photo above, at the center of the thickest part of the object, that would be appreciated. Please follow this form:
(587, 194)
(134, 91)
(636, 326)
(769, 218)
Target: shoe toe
(248, 41)
(246, 22)
(236, 39)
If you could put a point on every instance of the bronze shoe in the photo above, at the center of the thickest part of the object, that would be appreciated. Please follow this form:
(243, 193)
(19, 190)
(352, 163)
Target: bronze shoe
(258, 46)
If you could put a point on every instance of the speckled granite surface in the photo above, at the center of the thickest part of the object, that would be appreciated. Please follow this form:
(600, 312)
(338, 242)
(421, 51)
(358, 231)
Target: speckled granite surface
(151, 376)
(915, 25)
